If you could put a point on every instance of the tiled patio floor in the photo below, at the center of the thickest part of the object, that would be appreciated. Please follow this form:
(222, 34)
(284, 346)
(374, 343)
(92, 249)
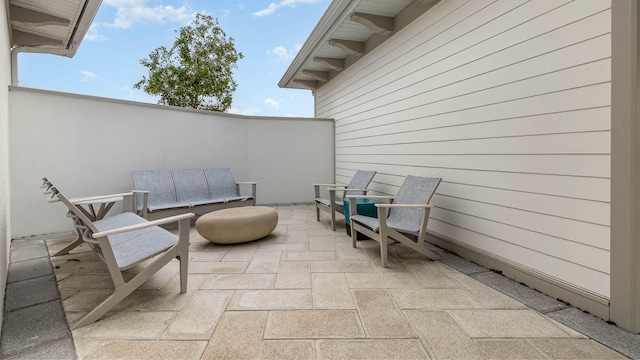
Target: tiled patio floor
(305, 293)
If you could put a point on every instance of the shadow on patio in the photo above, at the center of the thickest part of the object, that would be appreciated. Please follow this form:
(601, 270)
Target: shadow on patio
(301, 293)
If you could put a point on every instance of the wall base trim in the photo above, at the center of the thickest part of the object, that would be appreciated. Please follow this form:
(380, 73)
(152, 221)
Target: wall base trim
(577, 297)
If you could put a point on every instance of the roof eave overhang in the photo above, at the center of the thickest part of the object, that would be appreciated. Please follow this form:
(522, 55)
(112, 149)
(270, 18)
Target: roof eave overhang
(338, 10)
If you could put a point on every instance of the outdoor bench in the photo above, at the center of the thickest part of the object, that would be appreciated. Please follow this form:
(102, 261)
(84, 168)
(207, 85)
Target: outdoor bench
(168, 192)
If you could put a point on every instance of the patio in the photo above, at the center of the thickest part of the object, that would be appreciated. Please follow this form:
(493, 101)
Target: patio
(302, 293)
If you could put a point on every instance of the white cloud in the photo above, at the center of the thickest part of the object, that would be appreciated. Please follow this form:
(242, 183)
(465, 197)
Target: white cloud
(88, 76)
(285, 54)
(248, 111)
(130, 12)
(272, 103)
(275, 6)
(92, 33)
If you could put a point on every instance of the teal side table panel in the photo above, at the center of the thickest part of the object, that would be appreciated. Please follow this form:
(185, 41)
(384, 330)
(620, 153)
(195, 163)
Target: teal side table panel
(364, 206)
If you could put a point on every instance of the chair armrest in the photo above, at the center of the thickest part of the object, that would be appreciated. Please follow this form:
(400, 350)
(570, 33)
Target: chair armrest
(410, 206)
(100, 198)
(140, 191)
(374, 197)
(143, 225)
(246, 182)
(329, 185)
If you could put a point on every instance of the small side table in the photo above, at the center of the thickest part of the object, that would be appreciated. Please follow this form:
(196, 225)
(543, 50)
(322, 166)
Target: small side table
(364, 206)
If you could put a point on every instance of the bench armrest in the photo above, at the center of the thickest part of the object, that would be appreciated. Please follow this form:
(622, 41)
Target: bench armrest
(374, 197)
(143, 225)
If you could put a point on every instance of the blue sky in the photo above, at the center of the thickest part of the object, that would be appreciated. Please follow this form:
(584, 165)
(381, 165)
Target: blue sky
(107, 64)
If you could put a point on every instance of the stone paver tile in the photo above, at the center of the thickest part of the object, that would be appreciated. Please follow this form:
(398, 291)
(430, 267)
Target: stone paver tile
(239, 281)
(199, 317)
(287, 349)
(169, 298)
(573, 333)
(505, 324)
(488, 297)
(283, 246)
(90, 281)
(508, 349)
(151, 350)
(265, 262)
(240, 252)
(207, 267)
(347, 252)
(271, 300)
(442, 337)
(321, 231)
(82, 267)
(431, 299)
(430, 274)
(297, 236)
(574, 349)
(405, 253)
(371, 349)
(287, 280)
(309, 255)
(237, 336)
(321, 242)
(380, 316)
(331, 291)
(130, 325)
(86, 300)
(400, 280)
(159, 279)
(280, 230)
(333, 266)
(287, 266)
(310, 324)
(29, 269)
(208, 253)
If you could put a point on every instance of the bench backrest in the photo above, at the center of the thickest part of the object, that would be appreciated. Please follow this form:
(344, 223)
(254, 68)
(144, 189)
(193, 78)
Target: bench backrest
(190, 184)
(221, 183)
(159, 183)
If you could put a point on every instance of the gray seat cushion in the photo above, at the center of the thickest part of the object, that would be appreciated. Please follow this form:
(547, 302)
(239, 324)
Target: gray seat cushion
(132, 247)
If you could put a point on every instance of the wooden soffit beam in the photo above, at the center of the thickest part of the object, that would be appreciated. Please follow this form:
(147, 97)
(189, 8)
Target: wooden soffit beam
(333, 63)
(318, 75)
(309, 84)
(348, 46)
(382, 25)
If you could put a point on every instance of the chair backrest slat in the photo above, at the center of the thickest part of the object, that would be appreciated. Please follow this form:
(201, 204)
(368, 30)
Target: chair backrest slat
(414, 190)
(360, 180)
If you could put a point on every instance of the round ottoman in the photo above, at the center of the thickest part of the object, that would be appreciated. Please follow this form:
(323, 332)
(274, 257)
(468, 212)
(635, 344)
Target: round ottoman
(237, 225)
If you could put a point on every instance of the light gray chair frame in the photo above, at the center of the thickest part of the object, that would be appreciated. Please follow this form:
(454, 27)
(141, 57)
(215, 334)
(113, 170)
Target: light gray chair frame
(407, 213)
(143, 240)
(357, 186)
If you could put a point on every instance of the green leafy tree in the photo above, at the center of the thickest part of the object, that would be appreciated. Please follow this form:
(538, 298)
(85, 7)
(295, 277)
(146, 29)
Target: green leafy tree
(197, 72)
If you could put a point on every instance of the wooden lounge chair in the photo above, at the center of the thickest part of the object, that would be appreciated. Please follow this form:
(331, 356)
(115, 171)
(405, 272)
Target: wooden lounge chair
(407, 214)
(125, 240)
(357, 186)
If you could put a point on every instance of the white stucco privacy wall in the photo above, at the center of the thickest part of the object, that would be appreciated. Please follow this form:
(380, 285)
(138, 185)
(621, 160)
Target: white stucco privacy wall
(5, 80)
(509, 102)
(89, 146)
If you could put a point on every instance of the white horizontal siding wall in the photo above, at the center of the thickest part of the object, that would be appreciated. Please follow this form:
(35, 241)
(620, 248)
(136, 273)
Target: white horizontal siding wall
(509, 102)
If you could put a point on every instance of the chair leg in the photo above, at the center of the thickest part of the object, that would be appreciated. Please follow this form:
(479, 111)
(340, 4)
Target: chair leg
(354, 235)
(317, 212)
(383, 247)
(75, 243)
(118, 295)
(184, 269)
(333, 218)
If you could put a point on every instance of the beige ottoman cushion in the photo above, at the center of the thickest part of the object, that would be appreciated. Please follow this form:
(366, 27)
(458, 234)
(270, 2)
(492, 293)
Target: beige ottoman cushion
(237, 225)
